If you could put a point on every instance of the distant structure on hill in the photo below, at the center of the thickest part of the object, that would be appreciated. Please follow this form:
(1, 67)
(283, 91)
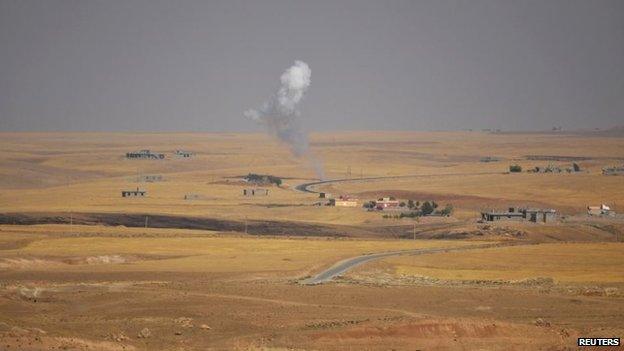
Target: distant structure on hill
(145, 154)
(613, 170)
(133, 193)
(521, 214)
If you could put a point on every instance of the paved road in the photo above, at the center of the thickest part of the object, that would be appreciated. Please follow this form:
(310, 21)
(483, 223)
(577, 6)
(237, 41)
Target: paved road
(343, 266)
(305, 187)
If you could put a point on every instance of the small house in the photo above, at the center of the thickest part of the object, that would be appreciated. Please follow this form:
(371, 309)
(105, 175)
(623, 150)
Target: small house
(346, 201)
(387, 203)
(534, 215)
(133, 193)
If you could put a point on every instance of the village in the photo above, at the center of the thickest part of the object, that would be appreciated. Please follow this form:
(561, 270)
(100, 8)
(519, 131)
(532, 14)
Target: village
(389, 206)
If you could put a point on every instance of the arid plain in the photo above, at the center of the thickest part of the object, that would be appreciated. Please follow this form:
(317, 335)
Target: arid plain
(196, 265)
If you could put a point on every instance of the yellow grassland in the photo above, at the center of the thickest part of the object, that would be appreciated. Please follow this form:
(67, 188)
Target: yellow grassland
(564, 262)
(190, 251)
(86, 172)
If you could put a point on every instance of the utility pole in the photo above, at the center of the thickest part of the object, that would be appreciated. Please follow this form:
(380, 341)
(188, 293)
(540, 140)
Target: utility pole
(145, 222)
(414, 231)
(71, 217)
(245, 225)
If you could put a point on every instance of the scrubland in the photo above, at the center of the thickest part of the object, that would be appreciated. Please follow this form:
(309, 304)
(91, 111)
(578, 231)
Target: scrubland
(78, 284)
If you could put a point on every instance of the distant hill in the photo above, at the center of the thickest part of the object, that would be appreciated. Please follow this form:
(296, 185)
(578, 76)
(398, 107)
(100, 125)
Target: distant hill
(614, 132)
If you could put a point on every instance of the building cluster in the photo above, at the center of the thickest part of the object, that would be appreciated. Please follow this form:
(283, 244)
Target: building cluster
(616, 170)
(536, 215)
(341, 201)
(149, 155)
(555, 169)
(602, 210)
(387, 203)
(145, 154)
(151, 178)
(183, 154)
(346, 201)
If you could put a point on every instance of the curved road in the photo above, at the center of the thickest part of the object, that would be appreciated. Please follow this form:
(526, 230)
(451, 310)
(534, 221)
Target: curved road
(305, 186)
(343, 266)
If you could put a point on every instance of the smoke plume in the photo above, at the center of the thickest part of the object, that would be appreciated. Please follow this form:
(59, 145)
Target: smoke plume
(281, 116)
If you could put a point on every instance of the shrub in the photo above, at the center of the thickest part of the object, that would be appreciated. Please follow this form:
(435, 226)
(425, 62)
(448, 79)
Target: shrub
(447, 210)
(515, 168)
(576, 167)
(263, 179)
(427, 208)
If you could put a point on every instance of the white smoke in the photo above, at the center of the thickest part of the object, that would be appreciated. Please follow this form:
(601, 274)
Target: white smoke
(281, 115)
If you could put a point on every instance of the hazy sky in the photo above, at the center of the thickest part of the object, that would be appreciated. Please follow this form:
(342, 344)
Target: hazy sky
(198, 65)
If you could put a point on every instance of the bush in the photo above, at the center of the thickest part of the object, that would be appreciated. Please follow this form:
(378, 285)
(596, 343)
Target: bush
(402, 204)
(515, 168)
(263, 179)
(427, 208)
(576, 167)
(410, 203)
(447, 210)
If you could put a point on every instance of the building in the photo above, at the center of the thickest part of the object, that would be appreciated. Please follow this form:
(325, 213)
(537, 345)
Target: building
(521, 214)
(613, 170)
(150, 178)
(346, 201)
(256, 192)
(540, 215)
(184, 154)
(133, 193)
(387, 203)
(602, 210)
(145, 154)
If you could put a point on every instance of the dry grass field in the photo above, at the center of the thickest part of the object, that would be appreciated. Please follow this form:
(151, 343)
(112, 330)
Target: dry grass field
(565, 263)
(82, 268)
